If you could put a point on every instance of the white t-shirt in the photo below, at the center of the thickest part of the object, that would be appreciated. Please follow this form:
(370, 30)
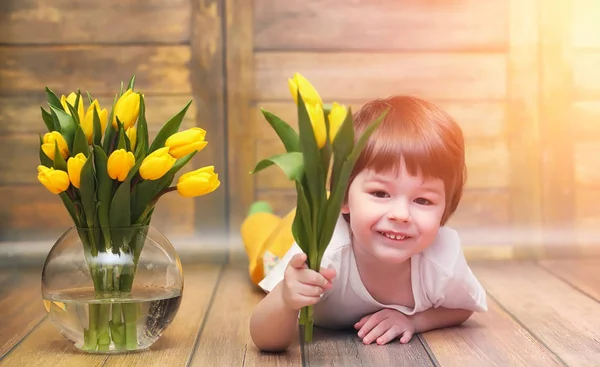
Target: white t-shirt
(440, 277)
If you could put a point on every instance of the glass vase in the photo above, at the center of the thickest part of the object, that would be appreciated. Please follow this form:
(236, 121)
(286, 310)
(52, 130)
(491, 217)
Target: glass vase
(112, 290)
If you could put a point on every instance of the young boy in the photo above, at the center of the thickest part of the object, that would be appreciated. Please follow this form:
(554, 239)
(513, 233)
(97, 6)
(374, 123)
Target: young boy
(392, 268)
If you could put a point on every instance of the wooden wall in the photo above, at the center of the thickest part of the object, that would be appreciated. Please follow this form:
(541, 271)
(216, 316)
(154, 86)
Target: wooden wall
(519, 76)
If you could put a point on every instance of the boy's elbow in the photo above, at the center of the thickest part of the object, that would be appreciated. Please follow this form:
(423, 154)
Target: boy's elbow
(263, 339)
(464, 316)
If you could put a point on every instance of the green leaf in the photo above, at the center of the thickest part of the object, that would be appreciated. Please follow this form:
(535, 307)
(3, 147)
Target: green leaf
(90, 99)
(87, 188)
(59, 161)
(67, 125)
(302, 220)
(44, 159)
(142, 132)
(80, 143)
(147, 190)
(131, 82)
(70, 207)
(121, 144)
(290, 163)
(105, 185)
(121, 90)
(97, 134)
(289, 137)
(362, 141)
(170, 128)
(48, 120)
(73, 110)
(315, 174)
(110, 131)
(53, 100)
(342, 146)
(120, 206)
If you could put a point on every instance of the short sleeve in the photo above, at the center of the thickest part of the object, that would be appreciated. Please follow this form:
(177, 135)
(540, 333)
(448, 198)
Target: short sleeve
(276, 274)
(462, 289)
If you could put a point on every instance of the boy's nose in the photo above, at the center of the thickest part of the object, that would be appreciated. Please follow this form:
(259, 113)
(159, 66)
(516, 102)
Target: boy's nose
(400, 213)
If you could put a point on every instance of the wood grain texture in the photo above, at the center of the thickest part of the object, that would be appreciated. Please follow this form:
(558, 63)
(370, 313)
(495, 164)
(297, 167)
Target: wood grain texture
(581, 274)
(30, 212)
(478, 120)
(338, 25)
(558, 85)
(208, 88)
(491, 338)
(487, 165)
(225, 338)
(522, 120)
(177, 343)
(20, 115)
(71, 21)
(240, 123)
(21, 305)
(362, 76)
(97, 69)
(346, 349)
(555, 313)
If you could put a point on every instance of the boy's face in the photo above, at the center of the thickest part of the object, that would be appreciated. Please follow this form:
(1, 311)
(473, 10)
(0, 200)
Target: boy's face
(394, 216)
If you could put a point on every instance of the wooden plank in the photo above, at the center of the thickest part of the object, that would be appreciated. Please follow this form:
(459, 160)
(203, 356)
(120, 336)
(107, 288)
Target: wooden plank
(177, 343)
(491, 338)
(19, 115)
(457, 25)
(477, 119)
(225, 339)
(581, 273)
(479, 157)
(584, 121)
(45, 345)
(585, 160)
(346, 349)
(21, 305)
(362, 76)
(556, 88)
(207, 66)
(560, 317)
(31, 212)
(522, 124)
(585, 28)
(240, 123)
(586, 77)
(158, 69)
(71, 21)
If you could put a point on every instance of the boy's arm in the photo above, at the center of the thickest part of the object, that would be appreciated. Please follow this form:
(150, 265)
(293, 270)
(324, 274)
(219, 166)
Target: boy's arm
(435, 318)
(273, 326)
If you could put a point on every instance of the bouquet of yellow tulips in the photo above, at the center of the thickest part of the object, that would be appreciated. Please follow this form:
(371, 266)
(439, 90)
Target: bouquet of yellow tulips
(323, 132)
(110, 178)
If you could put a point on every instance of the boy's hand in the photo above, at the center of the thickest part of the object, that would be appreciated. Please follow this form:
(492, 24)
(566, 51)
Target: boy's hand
(303, 286)
(385, 325)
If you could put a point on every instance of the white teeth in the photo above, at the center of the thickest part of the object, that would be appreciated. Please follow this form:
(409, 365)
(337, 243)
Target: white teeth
(393, 236)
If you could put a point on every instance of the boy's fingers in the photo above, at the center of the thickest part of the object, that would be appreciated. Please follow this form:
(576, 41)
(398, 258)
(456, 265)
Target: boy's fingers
(298, 261)
(328, 273)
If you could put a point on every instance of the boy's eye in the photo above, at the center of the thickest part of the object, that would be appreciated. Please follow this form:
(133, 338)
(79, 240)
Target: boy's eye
(379, 194)
(423, 201)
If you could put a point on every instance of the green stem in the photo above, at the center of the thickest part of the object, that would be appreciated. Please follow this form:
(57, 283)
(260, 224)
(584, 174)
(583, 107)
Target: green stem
(308, 326)
(90, 335)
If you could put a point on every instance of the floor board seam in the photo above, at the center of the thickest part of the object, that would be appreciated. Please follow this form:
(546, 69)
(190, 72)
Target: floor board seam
(428, 350)
(567, 282)
(534, 336)
(206, 315)
(23, 338)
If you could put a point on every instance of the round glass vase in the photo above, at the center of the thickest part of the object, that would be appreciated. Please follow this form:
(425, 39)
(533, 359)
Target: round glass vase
(112, 290)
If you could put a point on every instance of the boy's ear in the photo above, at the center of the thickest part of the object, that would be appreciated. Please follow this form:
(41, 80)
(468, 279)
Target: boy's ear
(345, 209)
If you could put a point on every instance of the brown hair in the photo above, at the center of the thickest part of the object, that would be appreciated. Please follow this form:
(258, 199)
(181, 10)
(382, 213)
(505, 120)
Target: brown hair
(427, 138)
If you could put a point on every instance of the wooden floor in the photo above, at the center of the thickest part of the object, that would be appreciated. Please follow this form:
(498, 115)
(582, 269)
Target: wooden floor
(540, 314)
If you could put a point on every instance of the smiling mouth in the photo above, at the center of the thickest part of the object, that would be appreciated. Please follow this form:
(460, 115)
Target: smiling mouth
(393, 236)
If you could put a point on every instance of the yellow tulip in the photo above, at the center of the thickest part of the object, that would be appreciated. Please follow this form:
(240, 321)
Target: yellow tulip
(87, 124)
(49, 142)
(132, 135)
(119, 164)
(74, 165)
(56, 181)
(336, 117)
(317, 119)
(310, 96)
(157, 164)
(127, 109)
(199, 182)
(71, 100)
(185, 142)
